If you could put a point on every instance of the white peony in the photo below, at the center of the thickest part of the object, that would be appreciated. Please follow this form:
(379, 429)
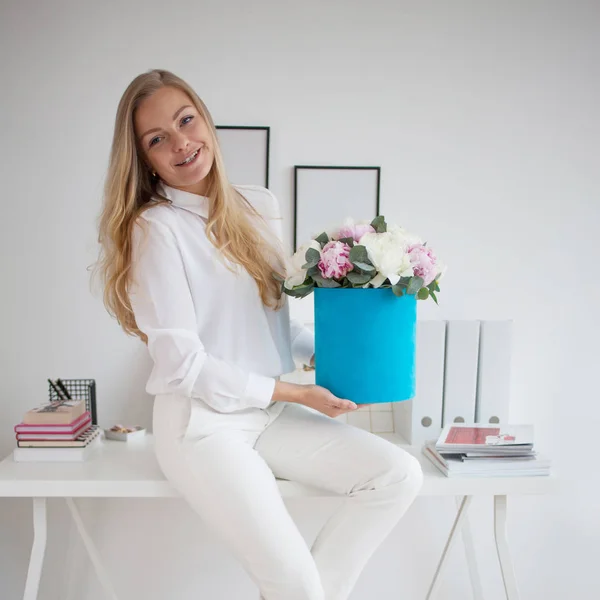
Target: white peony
(404, 236)
(387, 252)
(296, 274)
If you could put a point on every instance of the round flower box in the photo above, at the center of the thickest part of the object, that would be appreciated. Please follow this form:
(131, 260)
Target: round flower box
(365, 343)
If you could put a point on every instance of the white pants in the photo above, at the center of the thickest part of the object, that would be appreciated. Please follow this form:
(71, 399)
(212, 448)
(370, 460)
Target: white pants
(225, 466)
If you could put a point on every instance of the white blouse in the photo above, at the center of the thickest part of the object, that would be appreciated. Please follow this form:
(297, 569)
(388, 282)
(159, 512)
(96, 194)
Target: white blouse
(209, 334)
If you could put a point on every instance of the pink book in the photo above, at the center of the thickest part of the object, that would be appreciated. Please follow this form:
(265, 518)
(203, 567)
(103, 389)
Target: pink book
(54, 436)
(50, 428)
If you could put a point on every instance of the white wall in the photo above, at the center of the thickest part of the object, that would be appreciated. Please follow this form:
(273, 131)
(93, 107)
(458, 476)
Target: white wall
(484, 119)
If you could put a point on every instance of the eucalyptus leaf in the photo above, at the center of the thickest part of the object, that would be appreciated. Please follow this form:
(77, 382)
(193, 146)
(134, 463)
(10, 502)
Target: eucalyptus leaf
(364, 266)
(312, 257)
(326, 283)
(433, 286)
(414, 285)
(322, 238)
(347, 240)
(398, 290)
(358, 278)
(359, 254)
(300, 291)
(379, 224)
(313, 271)
(432, 294)
(423, 294)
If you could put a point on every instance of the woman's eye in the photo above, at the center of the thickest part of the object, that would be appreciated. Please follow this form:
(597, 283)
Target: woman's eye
(184, 122)
(153, 140)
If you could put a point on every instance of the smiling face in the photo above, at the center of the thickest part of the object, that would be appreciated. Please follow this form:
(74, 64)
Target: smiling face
(175, 140)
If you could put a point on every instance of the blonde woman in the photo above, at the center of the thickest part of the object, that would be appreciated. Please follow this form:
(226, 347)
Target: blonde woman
(190, 265)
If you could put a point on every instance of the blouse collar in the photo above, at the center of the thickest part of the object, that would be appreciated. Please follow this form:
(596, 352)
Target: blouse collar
(192, 202)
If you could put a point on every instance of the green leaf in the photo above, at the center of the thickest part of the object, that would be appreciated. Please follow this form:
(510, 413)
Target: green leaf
(432, 294)
(359, 254)
(433, 286)
(423, 294)
(312, 257)
(347, 240)
(398, 289)
(313, 271)
(364, 266)
(300, 291)
(358, 278)
(326, 283)
(379, 224)
(415, 284)
(322, 238)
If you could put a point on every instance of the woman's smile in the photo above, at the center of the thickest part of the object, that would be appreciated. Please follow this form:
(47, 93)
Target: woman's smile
(191, 159)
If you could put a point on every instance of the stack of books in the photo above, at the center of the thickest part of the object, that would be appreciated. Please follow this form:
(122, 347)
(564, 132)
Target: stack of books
(484, 450)
(60, 430)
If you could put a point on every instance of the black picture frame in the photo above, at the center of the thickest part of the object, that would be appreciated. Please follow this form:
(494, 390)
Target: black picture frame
(231, 161)
(299, 169)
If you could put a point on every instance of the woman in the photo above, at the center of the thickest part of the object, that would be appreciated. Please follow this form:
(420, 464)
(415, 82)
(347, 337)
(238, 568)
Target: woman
(190, 265)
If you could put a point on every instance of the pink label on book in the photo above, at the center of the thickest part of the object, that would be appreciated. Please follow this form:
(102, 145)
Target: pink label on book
(470, 435)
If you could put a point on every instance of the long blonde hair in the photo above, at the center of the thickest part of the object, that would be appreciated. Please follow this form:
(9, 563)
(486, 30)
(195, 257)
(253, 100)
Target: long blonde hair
(130, 186)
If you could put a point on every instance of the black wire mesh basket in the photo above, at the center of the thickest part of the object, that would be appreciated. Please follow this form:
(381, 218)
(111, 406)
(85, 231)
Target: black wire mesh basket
(79, 389)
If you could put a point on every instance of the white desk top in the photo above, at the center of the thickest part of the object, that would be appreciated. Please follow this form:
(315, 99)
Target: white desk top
(130, 470)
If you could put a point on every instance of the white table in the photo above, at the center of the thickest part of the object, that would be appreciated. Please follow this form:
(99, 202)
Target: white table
(130, 470)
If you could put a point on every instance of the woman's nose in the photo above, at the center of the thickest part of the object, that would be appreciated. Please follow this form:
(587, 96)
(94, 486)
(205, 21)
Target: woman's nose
(180, 142)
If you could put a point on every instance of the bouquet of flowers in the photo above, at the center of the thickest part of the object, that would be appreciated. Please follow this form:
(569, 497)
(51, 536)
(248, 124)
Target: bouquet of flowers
(363, 255)
(349, 269)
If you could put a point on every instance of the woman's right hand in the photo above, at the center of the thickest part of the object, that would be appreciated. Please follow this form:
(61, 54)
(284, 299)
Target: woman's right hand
(313, 396)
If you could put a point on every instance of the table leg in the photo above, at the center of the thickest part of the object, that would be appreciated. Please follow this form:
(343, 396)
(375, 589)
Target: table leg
(458, 521)
(91, 550)
(38, 549)
(471, 558)
(506, 566)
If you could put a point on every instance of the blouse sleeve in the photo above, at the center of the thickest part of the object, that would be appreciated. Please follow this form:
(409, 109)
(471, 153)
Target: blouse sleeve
(303, 342)
(163, 308)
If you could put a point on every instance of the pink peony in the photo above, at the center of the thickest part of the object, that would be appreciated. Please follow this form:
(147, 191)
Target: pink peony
(354, 231)
(423, 261)
(334, 261)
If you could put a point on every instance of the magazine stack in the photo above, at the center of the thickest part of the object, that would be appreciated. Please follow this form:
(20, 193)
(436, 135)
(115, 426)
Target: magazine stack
(485, 450)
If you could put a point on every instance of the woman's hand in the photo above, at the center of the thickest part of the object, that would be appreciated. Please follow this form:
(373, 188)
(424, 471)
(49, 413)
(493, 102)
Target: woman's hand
(321, 399)
(313, 396)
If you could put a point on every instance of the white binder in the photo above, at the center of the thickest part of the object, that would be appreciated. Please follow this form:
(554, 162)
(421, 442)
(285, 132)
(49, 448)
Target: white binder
(460, 380)
(420, 419)
(493, 385)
